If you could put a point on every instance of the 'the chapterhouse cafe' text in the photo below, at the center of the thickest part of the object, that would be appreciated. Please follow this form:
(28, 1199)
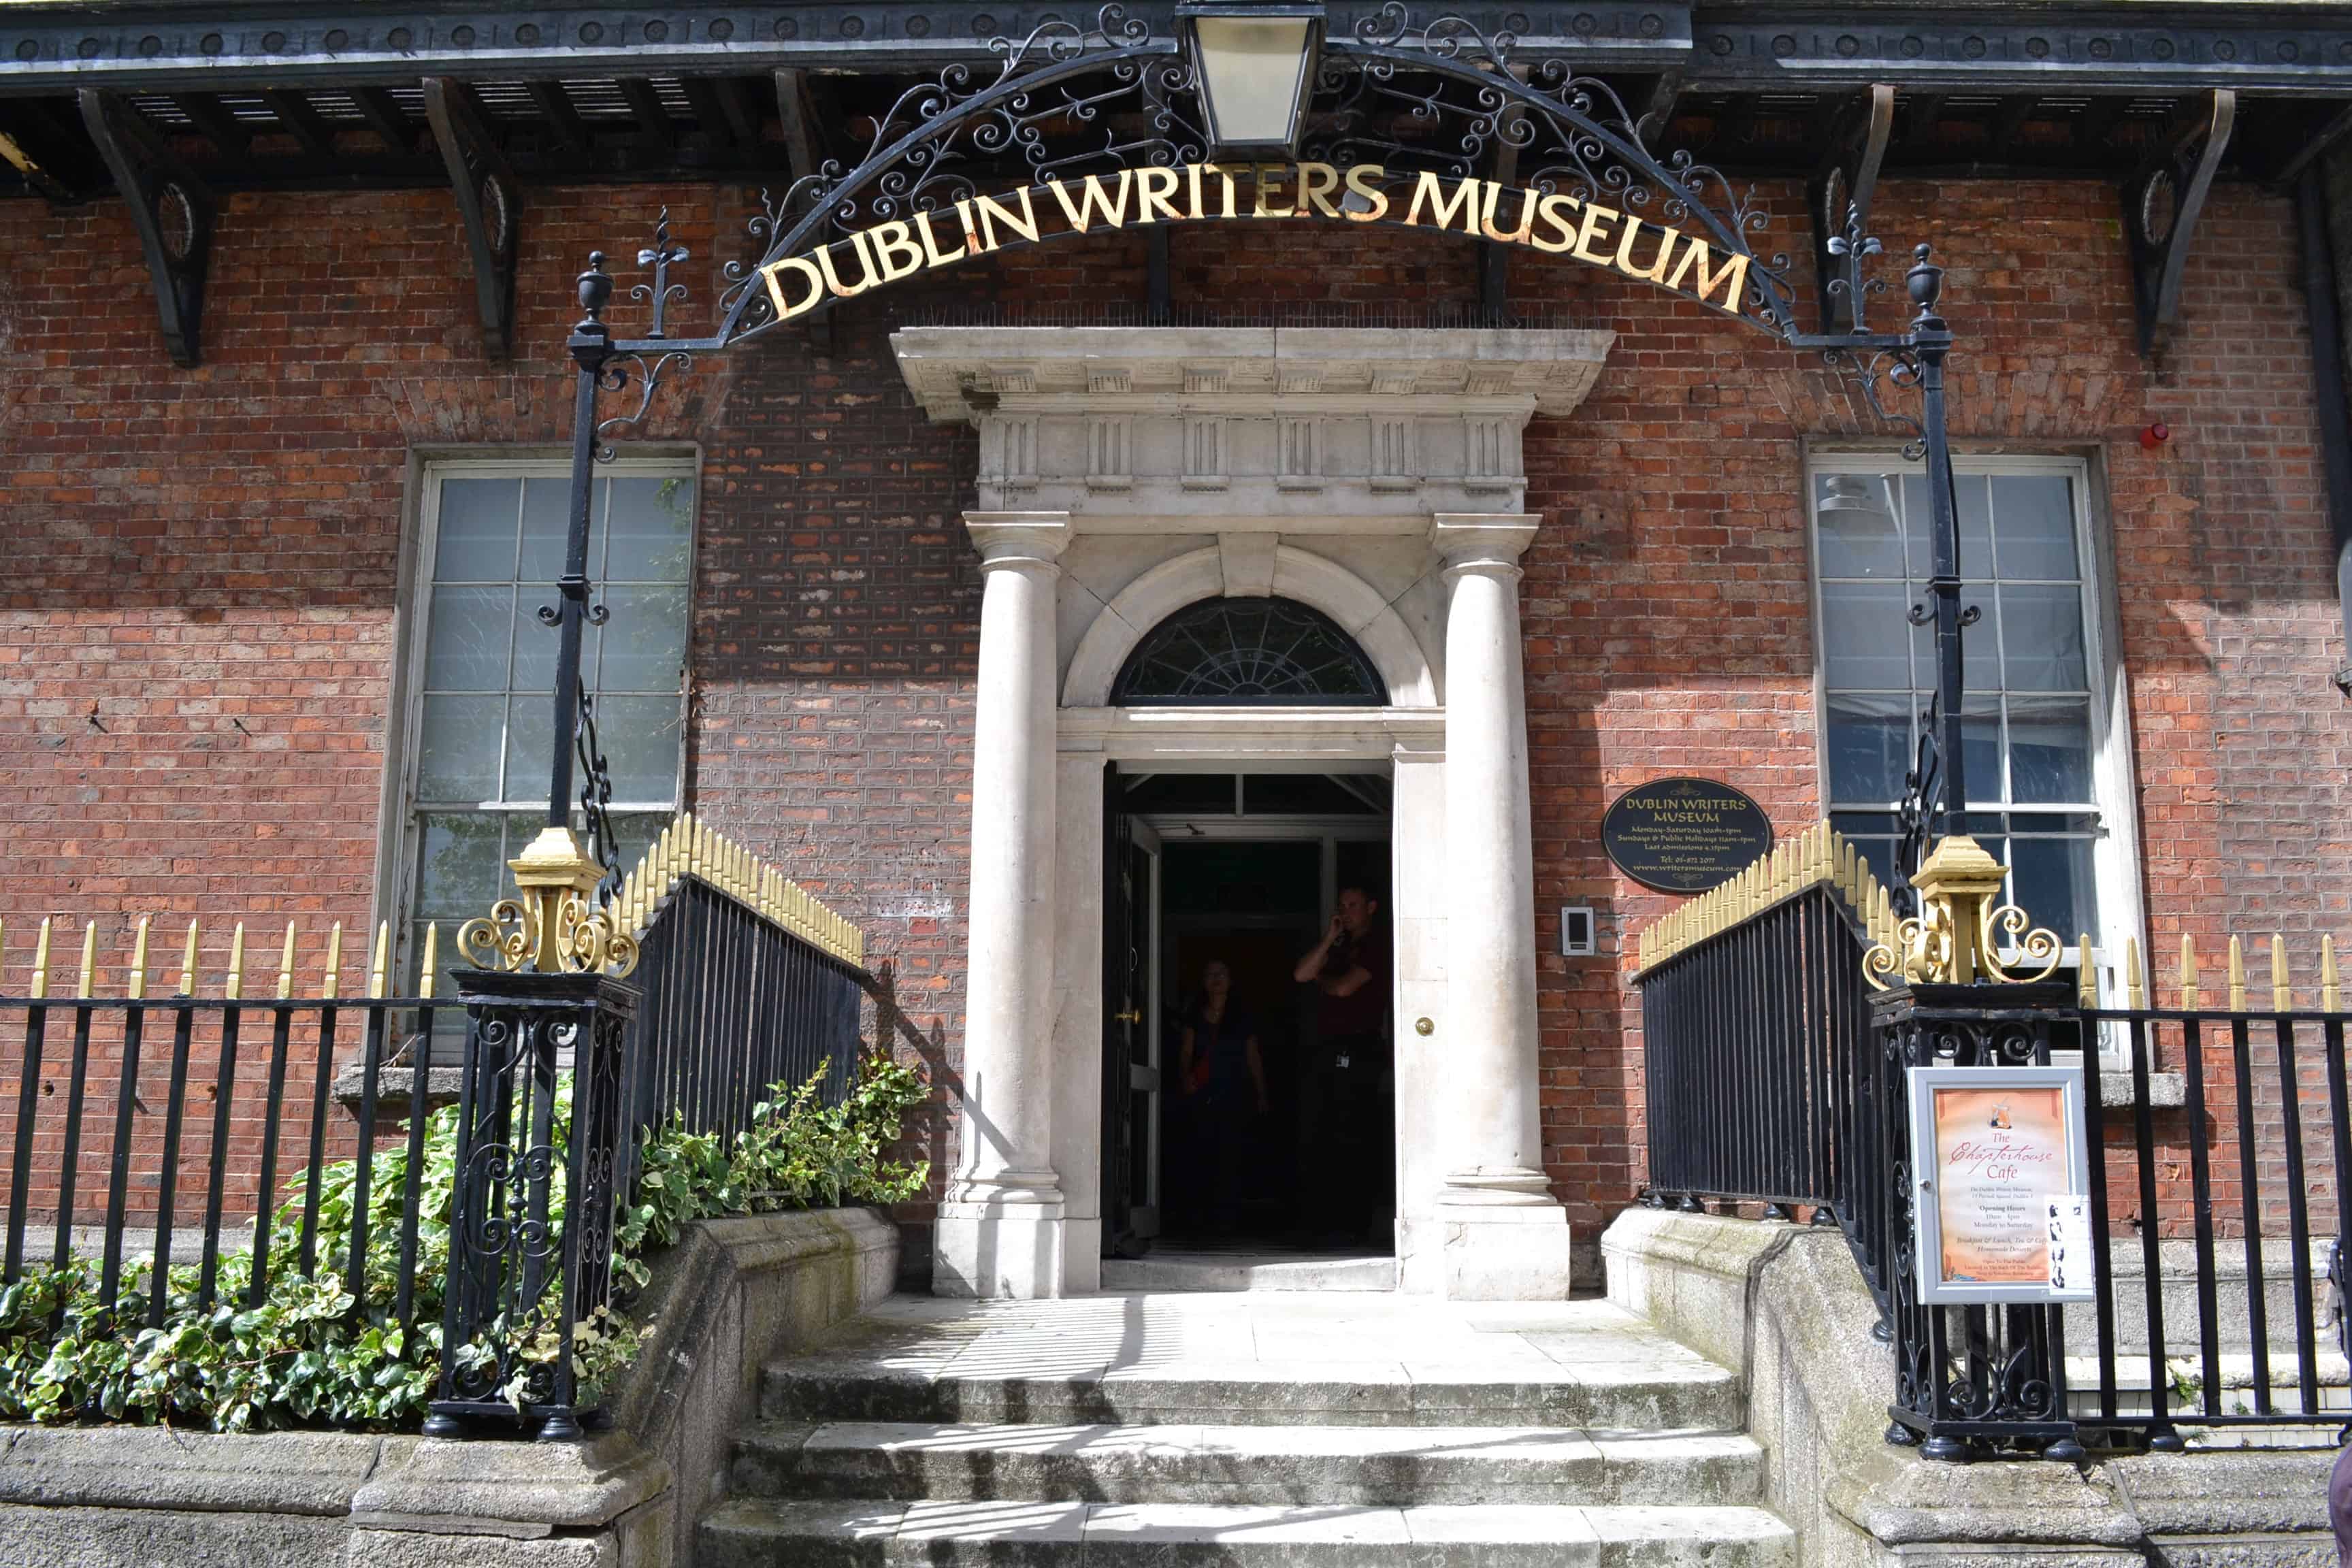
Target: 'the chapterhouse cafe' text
(975, 225)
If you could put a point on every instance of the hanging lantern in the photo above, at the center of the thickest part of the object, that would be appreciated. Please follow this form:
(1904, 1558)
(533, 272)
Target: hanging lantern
(1256, 65)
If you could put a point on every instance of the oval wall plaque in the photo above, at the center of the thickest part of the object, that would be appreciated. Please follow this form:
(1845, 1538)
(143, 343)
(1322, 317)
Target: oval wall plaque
(1684, 835)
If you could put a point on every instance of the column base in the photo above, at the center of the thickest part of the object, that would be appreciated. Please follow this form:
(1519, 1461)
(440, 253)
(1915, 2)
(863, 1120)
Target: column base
(998, 1250)
(1500, 1252)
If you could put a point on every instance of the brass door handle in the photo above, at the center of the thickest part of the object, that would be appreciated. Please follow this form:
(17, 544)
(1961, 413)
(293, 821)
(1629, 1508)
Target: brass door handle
(1132, 1015)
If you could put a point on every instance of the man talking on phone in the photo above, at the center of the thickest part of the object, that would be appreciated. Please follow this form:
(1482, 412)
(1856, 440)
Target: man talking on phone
(1349, 1133)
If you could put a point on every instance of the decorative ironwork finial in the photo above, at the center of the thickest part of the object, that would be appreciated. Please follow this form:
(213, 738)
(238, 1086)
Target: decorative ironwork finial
(595, 292)
(556, 927)
(661, 290)
(1955, 938)
(1925, 281)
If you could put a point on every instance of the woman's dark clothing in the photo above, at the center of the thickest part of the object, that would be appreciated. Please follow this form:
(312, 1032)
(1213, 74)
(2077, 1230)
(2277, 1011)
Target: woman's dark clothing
(1221, 1053)
(1217, 1118)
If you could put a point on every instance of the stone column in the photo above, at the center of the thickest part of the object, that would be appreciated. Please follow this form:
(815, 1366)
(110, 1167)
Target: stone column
(1504, 1237)
(999, 1230)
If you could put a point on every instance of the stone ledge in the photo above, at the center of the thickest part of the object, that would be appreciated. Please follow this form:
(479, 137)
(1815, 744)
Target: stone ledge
(510, 1488)
(156, 1469)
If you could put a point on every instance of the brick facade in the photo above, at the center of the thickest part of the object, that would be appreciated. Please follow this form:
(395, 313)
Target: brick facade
(197, 630)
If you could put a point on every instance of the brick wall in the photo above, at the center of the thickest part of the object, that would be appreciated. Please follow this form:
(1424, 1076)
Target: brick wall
(196, 629)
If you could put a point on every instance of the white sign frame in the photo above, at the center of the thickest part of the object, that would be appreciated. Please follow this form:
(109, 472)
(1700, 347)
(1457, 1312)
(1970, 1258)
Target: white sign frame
(1927, 1178)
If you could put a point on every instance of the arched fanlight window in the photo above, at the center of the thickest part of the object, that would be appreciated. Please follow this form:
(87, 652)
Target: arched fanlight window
(1249, 652)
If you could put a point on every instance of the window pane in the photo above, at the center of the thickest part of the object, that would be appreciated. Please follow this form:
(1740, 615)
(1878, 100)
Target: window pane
(476, 531)
(1918, 540)
(2052, 879)
(2033, 515)
(460, 866)
(1980, 746)
(1869, 747)
(1859, 533)
(1866, 637)
(644, 642)
(647, 530)
(635, 831)
(2042, 638)
(545, 503)
(2049, 751)
(457, 759)
(1976, 524)
(465, 643)
(535, 642)
(1980, 644)
(640, 736)
(1877, 853)
(530, 719)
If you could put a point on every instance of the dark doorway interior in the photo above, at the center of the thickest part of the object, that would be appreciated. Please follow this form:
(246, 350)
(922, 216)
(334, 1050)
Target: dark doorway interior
(1311, 1167)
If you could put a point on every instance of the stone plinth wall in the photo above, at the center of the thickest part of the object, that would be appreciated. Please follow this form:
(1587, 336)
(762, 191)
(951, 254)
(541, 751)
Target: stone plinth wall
(1785, 1307)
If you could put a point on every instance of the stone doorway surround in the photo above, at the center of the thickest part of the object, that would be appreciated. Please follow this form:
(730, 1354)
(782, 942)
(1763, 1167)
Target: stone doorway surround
(1376, 474)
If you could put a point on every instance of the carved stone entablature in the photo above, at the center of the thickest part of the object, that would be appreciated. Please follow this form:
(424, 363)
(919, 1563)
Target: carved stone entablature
(1190, 429)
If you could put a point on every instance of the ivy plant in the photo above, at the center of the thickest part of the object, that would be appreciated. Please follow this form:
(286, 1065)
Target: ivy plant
(304, 1351)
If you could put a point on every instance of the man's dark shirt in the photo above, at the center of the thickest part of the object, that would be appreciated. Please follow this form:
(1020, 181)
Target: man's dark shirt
(1362, 1013)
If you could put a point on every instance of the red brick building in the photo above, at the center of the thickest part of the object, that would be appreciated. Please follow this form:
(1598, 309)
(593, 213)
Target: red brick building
(223, 692)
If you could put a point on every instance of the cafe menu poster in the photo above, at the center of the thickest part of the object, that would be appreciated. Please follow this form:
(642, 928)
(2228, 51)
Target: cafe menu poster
(2001, 1167)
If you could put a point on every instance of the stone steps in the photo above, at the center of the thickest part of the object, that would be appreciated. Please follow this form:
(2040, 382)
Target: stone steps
(1657, 1393)
(1295, 1465)
(759, 1532)
(1353, 1430)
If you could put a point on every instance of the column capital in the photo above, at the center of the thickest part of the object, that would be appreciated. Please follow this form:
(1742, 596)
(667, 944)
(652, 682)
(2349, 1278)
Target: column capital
(1475, 541)
(1018, 538)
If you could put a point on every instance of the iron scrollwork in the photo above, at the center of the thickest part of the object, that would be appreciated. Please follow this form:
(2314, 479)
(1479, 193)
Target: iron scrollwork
(532, 1212)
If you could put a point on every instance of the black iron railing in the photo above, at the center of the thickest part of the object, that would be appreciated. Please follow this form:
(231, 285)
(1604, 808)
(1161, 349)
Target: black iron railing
(733, 1004)
(174, 1153)
(185, 1138)
(2220, 1144)
(1787, 985)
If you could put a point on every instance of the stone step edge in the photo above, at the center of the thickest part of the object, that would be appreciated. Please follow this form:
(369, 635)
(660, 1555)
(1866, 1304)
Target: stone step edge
(1204, 1437)
(1378, 1467)
(1548, 1526)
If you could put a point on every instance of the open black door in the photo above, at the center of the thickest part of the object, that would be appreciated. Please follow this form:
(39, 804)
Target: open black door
(1130, 1080)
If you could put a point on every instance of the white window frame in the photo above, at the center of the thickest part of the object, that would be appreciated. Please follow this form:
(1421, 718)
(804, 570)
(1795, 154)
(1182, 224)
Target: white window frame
(397, 842)
(2115, 852)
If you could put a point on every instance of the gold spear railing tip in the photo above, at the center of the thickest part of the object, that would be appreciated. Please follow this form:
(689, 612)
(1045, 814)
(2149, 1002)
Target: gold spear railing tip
(2281, 993)
(234, 987)
(88, 961)
(430, 966)
(139, 961)
(188, 963)
(41, 960)
(331, 986)
(286, 964)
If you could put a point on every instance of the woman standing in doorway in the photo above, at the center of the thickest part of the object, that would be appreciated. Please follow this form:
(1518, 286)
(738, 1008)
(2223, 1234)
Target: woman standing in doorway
(1222, 1081)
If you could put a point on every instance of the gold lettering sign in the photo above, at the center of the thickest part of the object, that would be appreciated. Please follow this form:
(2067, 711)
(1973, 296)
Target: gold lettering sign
(1556, 224)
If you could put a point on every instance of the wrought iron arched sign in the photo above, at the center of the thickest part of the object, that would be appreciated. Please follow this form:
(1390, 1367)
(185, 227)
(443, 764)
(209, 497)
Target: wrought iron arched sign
(1078, 130)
